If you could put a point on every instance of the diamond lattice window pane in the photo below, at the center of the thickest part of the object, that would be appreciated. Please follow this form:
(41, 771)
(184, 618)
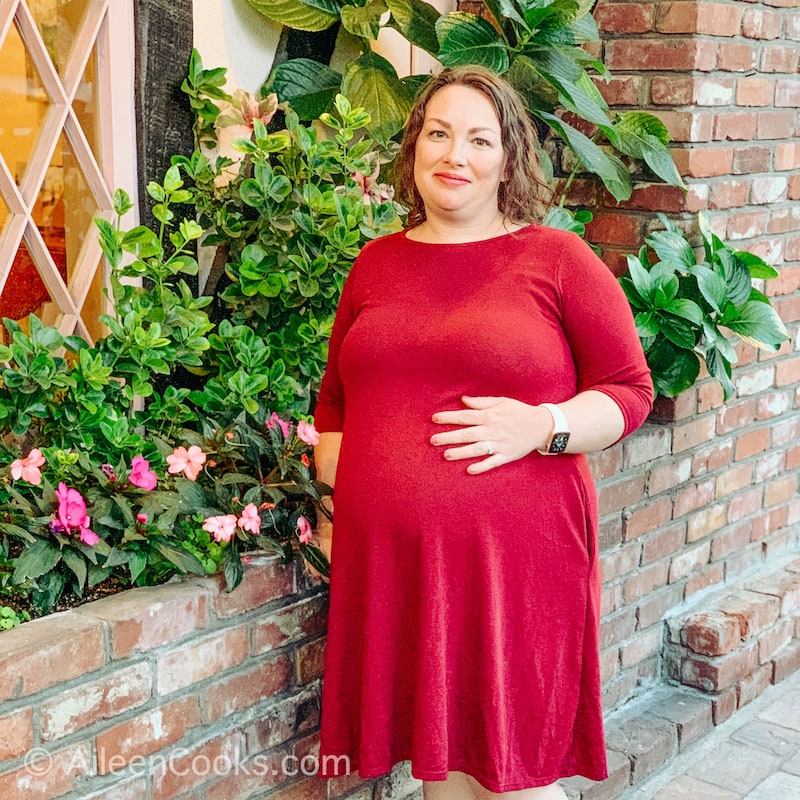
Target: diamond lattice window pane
(24, 292)
(65, 208)
(87, 106)
(59, 22)
(24, 103)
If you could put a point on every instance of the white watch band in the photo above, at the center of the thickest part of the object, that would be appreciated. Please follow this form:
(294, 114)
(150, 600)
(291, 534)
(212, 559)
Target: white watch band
(560, 425)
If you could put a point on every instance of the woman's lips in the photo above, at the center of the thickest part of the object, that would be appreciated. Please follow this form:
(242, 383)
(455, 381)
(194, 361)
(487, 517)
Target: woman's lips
(447, 177)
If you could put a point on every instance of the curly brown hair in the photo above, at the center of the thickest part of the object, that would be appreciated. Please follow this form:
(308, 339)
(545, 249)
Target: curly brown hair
(524, 195)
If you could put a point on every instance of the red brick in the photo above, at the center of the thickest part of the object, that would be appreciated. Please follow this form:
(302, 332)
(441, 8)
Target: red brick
(751, 443)
(657, 196)
(706, 162)
(311, 788)
(672, 90)
(691, 434)
(200, 659)
(711, 458)
(791, 27)
(792, 252)
(625, 90)
(310, 658)
(284, 719)
(610, 532)
(705, 521)
(728, 194)
(760, 24)
(745, 504)
(774, 639)
(246, 689)
(16, 734)
(784, 585)
(735, 57)
(731, 480)
(753, 685)
(730, 541)
(768, 189)
(781, 490)
(147, 617)
(264, 580)
(658, 54)
(692, 497)
(74, 709)
(606, 463)
(621, 561)
(775, 124)
(644, 645)
(755, 91)
(49, 651)
(683, 564)
(784, 220)
(786, 662)
(616, 496)
(145, 734)
(671, 409)
(665, 541)
(247, 778)
(653, 609)
(755, 611)
(787, 156)
(64, 770)
(787, 371)
(719, 673)
(299, 621)
(688, 16)
(688, 126)
(647, 580)
(710, 576)
(624, 17)
(711, 633)
(192, 766)
(723, 705)
(649, 443)
(753, 158)
(615, 628)
(615, 228)
(770, 466)
(610, 599)
(787, 93)
(747, 224)
(776, 58)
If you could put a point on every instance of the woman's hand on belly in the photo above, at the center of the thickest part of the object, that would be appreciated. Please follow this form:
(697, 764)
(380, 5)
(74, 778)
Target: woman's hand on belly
(497, 429)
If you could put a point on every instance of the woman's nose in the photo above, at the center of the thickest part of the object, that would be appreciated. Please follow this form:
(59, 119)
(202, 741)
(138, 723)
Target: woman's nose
(456, 152)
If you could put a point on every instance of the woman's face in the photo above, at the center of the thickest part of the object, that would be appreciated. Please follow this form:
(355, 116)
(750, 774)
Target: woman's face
(459, 159)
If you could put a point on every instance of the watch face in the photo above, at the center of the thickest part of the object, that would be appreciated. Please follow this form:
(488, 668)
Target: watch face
(558, 444)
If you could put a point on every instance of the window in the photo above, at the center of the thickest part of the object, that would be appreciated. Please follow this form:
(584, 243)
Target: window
(59, 163)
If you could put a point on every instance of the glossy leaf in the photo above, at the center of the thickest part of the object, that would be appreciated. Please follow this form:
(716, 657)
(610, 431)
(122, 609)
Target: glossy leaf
(416, 20)
(467, 39)
(305, 15)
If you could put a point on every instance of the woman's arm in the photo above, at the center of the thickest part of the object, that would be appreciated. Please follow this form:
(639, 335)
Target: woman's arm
(514, 429)
(326, 459)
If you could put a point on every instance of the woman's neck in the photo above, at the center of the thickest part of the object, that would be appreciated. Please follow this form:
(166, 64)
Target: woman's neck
(435, 230)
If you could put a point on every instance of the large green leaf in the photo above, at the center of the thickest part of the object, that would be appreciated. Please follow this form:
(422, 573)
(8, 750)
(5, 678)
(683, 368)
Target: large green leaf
(364, 21)
(672, 248)
(759, 324)
(756, 265)
(416, 20)
(371, 83)
(712, 286)
(607, 167)
(181, 558)
(644, 136)
(719, 366)
(305, 15)
(539, 94)
(35, 560)
(737, 276)
(467, 39)
(674, 369)
(308, 86)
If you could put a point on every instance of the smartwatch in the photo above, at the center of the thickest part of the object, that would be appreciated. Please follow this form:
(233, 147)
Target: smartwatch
(559, 437)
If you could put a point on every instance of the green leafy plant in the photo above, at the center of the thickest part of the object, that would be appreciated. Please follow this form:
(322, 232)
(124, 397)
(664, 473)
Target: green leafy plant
(686, 308)
(288, 212)
(537, 45)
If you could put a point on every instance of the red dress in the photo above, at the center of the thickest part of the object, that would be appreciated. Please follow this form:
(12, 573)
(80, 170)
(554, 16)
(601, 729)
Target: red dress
(464, 609)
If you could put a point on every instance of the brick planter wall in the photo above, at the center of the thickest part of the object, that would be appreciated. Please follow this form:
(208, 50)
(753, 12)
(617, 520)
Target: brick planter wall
(176, 691)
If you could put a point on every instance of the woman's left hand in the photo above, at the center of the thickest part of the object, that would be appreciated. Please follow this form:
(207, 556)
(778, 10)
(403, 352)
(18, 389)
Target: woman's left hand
(499, 428)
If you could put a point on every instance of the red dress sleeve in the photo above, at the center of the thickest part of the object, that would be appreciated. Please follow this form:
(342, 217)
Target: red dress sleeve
(599, 327)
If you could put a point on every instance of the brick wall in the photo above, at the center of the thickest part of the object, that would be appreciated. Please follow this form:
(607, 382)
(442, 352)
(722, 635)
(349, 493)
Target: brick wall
(706, 492)
(176, 691)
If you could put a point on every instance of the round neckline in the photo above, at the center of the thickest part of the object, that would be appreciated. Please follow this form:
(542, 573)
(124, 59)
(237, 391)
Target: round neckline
(506, 235)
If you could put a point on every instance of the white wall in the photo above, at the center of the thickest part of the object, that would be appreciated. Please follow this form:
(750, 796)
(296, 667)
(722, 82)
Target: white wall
(232, 34)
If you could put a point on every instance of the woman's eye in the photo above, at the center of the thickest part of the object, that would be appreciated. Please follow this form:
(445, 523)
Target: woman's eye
(436, 134)
(483, 142)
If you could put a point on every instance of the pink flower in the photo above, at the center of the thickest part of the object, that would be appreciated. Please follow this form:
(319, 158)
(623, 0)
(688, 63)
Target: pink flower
(221, 527)
(250, 520)
(308, 433)
(141, 519)
(306, 531)
(28, 468)
(281, 423)
(72, 514)
(189, 462)
(141, 474)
